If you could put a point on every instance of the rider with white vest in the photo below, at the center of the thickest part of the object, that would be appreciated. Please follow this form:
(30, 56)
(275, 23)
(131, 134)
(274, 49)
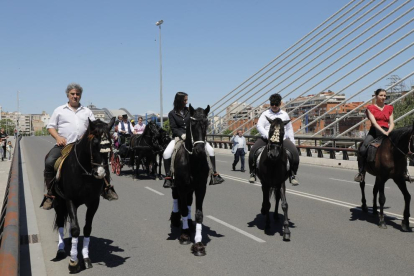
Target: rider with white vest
(263, 126)
(179, 119)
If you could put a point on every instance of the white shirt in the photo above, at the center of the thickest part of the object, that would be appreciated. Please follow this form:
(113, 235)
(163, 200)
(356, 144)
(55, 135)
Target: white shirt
(126, 125)
(263, 124)
(70, 124)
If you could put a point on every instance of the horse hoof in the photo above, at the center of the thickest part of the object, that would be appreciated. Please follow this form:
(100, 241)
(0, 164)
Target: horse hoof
(185, 239)
(61, 254)
(88, 263)
(175, 219)
(405, 227)
(198, 249)
(286, 236)
(74, 266)
(364, 208)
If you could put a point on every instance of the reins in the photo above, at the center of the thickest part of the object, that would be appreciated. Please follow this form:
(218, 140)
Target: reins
(192, 140)
(90, 153)
(409, 154)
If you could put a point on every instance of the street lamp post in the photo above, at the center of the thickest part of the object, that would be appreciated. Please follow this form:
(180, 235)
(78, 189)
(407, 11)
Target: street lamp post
(161, 112)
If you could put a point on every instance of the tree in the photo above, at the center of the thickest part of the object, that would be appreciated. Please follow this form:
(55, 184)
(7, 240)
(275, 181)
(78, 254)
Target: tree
(403, 107)
(166, 126)
(227, 132)
(254, 131)
(8, 126)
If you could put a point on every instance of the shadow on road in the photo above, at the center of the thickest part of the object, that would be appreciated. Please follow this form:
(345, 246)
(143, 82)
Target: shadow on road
(206, 233)
(276, 226)
(357, 214)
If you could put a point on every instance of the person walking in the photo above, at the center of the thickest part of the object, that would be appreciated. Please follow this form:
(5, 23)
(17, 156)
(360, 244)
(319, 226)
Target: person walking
(9, 148)
(239, 149)
(3, 142)
(68, 124)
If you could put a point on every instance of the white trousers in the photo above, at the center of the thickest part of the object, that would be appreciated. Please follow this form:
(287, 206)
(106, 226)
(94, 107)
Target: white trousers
(170, 148)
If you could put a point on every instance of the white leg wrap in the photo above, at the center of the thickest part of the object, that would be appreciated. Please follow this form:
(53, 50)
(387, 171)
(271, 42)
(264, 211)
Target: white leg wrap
(85, 248)
(189, 212)
(61, 244)
(198, 236)
(185, 222)
(74, 250)
(175, 205)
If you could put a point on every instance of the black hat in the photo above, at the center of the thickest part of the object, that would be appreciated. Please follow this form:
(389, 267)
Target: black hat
(124, 116)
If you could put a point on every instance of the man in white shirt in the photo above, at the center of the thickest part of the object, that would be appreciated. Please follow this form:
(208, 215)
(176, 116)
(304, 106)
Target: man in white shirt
(263, 126)
(239, 149)
(124, 128)
(67, 124)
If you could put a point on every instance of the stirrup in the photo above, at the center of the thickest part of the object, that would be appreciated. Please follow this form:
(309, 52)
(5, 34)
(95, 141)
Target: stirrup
(168, 182)
(252, 178)
(359, 177)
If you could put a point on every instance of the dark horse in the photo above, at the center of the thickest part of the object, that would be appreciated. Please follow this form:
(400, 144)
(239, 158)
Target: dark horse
(81, 182)
(191, 171)
(391, 163)
(145, 148)
(273, 172)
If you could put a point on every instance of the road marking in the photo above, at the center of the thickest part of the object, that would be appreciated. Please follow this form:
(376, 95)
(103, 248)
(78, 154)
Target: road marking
(236, 229)
(222, 161)
(353, 182)
(320, 198)
(155, 191)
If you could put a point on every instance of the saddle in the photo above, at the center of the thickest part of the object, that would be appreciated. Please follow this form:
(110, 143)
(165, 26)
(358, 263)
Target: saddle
(259, 152)
(59, 162)
(372, 149)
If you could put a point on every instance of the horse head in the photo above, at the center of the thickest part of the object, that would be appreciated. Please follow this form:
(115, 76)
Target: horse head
(276, 134)
(99, 146)
(198, 128)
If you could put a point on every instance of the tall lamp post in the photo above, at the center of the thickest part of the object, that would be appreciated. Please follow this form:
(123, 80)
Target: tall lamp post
(161, 112)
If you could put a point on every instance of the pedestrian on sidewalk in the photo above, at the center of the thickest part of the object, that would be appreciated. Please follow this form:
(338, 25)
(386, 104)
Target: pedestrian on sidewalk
(9, 148)
(3, 142)
(239, 149)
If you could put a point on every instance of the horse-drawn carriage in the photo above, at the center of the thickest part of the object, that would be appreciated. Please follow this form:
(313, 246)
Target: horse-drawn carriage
(120, 154)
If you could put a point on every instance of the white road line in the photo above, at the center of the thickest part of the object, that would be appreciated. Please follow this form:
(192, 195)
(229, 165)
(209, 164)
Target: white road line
(236, 229)
(155, 191)
(222, 161)
(320, 198)
(353, 182)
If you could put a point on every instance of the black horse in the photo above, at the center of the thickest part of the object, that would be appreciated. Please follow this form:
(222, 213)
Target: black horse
(145, 148)
(191, 171)
(391, 163)
(273, 172)
(82, 182)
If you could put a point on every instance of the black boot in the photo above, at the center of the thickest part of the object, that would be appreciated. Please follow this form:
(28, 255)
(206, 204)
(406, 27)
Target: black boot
(215, 178)
(168, 182)
(252, 169)
(47, 202)
(361, 168)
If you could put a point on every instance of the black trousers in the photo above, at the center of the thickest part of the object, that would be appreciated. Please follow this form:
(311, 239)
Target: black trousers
(239, 155)
(372, 134)
(53, 155)
(287, 144)
(4, 152)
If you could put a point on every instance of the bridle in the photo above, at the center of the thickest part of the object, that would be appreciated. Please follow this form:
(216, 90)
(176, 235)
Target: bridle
(104, 141)
(191, 134)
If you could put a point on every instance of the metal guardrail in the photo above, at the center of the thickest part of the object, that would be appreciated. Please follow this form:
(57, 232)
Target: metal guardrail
(9, 220)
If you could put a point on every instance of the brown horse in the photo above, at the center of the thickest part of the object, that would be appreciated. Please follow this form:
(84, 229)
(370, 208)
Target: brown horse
(391, 163)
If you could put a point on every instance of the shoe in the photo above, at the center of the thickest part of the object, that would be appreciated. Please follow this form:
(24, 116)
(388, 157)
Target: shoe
(48, 203)
(110, 194)
(252, 178)
(359, 177)
(234, 167)
(408, 178)
(242, 170)
(294, 181)
(168, 182)
(216, 179)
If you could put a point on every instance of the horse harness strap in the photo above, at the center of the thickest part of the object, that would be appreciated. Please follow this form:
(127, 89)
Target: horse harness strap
(409, 154)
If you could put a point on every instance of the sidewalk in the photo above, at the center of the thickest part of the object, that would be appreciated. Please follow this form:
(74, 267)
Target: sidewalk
(4, 171)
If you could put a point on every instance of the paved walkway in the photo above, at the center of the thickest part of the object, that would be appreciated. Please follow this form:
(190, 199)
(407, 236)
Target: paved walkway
(4, 172)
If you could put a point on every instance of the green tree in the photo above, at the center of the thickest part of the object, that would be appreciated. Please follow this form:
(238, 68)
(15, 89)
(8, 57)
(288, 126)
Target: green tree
(8, 126)
(227, 132)
(254, 131)
(166, 126)
(403, 107)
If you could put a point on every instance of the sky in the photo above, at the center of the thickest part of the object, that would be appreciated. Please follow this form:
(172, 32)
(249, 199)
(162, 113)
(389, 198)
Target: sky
(111, 48)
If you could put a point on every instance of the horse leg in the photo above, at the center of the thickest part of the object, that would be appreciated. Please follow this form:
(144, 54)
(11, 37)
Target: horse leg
(381, 185)
(266, 204)
(137, 163)
(185, 231)
(159, 167)
(87, 229)
(374, 204)
(61, 213)
(189, 203)
(405, 224)
(175, 217)
(363, 200)
(74, 266)
(286, 231)
(198, 248)
(276, 213)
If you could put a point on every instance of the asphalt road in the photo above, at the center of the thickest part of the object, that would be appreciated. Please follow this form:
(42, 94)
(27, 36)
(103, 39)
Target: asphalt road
(329, 234)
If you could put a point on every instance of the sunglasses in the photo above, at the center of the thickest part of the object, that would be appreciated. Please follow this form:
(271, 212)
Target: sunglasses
(274, 104)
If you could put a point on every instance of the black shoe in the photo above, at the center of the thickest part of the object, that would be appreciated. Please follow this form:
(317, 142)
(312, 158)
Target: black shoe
(47, 203)
(234, 167)
(168, 182)
(242, 170)
(252, 178)
(294, 181)
(216, 179)
(110, 194)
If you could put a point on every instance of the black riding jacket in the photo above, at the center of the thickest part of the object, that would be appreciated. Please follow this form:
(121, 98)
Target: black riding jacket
(178, 122)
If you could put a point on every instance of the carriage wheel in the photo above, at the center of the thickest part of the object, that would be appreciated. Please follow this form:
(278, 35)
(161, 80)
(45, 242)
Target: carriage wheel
(113, 164)
(118, 166)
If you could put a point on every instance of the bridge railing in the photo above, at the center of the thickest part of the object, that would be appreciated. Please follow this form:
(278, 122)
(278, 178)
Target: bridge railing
(9, 220)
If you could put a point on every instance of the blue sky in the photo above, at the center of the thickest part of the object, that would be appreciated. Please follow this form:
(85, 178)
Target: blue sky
(112, 49)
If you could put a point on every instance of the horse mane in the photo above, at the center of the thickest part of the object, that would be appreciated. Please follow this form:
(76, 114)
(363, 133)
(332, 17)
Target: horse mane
(146, 129)
(397, 135)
